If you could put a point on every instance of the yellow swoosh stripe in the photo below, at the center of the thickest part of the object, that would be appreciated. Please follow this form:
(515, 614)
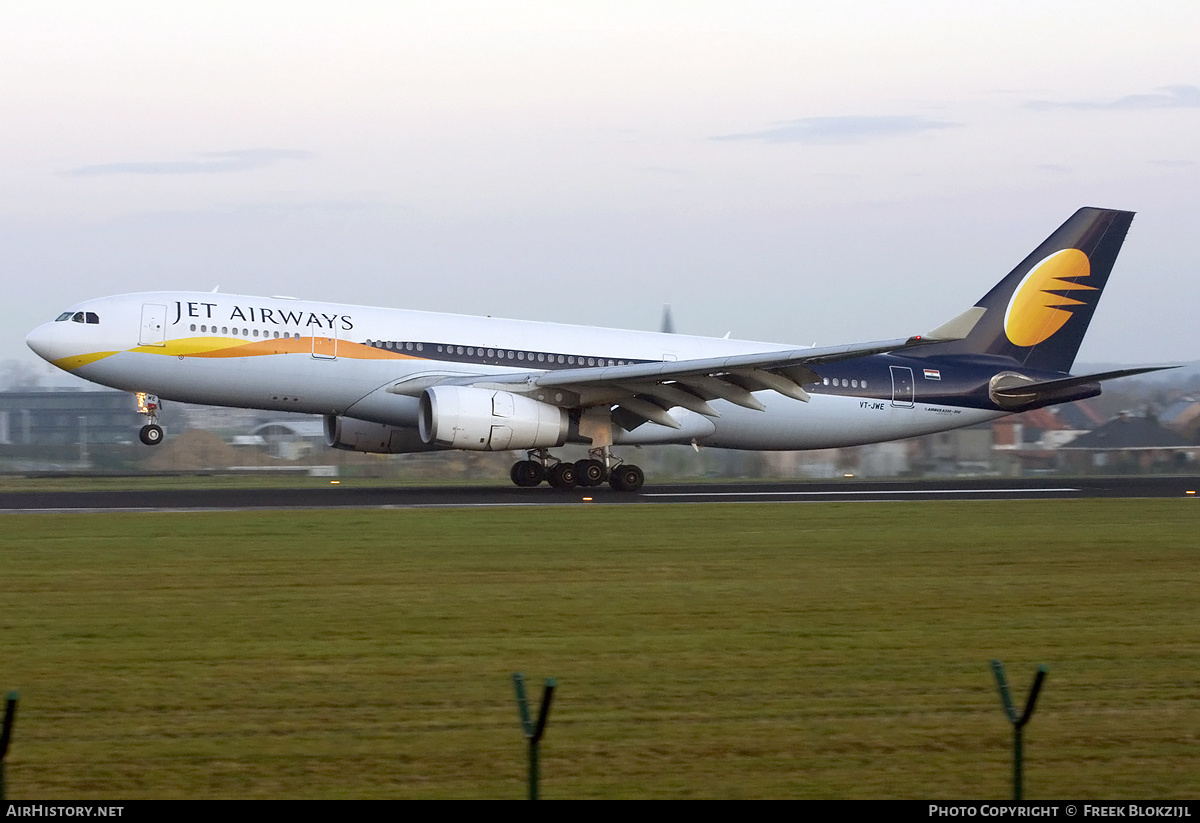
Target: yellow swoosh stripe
(76, 360)
(232, 347)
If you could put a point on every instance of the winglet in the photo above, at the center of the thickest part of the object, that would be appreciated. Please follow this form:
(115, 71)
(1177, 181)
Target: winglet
(960, 326)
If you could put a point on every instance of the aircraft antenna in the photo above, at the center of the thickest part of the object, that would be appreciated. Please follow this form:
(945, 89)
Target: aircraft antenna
(668, 322)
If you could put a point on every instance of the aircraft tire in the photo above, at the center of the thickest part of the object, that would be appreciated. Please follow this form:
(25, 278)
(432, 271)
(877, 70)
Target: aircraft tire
(627, 478)
(590, 472)
(527, 473)
(151, 435)
(562, 476)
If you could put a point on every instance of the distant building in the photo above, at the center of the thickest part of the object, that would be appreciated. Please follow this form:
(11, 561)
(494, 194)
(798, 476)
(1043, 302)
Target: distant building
(292, 438)
(1031, 441)
(1137, 442)
(65, 417)
(1183, 417)
(960, 451)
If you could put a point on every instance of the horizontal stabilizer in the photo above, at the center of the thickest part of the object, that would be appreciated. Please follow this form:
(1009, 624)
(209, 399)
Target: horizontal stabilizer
(1014, 391)
(1024, 390)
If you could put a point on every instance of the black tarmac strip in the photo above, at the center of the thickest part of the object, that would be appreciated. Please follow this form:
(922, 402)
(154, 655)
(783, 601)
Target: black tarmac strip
(346, 495)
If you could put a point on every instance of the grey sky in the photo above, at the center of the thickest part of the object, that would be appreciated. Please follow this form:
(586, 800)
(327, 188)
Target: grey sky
(210, 162)
(779, 170)
(845, 129)
(1171, 97)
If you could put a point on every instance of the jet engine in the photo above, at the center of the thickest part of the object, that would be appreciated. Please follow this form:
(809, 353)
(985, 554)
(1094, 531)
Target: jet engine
(376, 438)
(461, 417)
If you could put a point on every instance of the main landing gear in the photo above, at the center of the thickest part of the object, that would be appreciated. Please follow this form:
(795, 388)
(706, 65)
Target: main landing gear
(598, 467)
(148, 404)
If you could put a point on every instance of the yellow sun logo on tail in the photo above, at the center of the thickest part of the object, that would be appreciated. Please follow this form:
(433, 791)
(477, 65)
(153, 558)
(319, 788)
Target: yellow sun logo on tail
(1038, 307)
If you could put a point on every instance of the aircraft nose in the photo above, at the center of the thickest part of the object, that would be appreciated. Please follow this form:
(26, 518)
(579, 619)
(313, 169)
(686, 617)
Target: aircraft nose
(41, 340)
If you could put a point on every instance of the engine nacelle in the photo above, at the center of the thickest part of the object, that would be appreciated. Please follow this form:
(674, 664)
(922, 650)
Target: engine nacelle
(375, 438)
(460, 417)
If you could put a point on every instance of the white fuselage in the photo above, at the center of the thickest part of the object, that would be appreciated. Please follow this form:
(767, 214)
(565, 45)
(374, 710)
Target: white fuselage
(370, 363)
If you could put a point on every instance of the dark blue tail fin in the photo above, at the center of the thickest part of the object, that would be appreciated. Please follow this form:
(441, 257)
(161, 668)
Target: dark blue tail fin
(1037, 315)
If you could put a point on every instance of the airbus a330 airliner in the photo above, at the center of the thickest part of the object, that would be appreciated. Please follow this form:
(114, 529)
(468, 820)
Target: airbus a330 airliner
(393, 381)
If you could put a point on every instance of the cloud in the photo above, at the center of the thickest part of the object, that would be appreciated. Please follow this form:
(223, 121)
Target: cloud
(848, 129)
(1166, 97)
(213, 162)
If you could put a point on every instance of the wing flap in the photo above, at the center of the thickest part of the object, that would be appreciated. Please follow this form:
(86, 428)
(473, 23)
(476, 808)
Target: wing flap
(642, 390)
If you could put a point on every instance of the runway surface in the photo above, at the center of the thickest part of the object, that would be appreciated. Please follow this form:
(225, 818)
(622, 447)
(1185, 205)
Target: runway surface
(346, 495)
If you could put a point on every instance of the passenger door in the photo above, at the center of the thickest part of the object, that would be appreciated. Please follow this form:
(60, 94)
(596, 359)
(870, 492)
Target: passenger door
(154, 325)
(902, 387)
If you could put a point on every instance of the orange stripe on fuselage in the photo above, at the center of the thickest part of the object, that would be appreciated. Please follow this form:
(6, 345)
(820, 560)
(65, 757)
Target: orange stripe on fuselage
(231, 347)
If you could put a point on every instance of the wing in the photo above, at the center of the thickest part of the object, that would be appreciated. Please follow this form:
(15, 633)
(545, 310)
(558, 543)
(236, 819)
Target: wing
(646, 391)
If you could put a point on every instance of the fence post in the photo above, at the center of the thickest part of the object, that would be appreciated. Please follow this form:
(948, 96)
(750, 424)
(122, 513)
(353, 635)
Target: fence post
(10, 717)
(533, 732)
(1018, 722)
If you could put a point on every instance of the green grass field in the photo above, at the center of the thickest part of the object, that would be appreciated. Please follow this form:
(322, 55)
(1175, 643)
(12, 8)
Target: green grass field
(774, 650)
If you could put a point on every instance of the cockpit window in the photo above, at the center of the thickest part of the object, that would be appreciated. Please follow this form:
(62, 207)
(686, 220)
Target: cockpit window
(79, 317)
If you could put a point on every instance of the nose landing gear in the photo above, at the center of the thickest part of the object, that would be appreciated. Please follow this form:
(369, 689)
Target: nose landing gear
(151, 434)
(148, 404)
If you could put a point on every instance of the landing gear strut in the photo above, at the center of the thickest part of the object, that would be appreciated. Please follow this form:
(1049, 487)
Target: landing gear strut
(599, 466)
(148, 404)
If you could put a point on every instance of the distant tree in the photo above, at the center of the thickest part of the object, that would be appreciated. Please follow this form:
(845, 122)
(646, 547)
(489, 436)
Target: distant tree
(17, 374)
